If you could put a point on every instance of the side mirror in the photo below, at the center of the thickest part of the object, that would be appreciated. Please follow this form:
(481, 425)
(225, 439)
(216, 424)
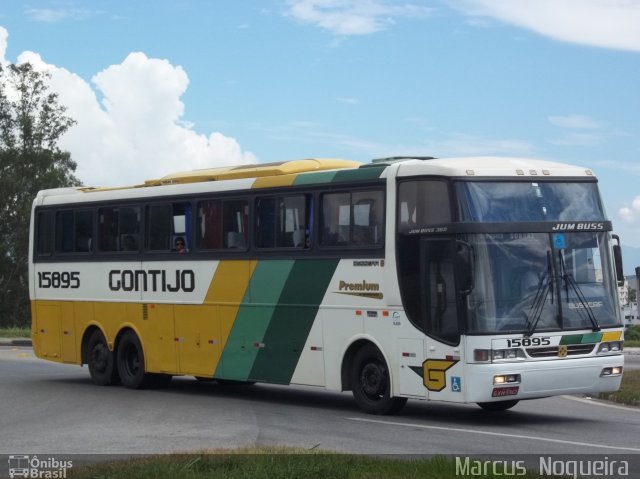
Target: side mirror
(465, 267)
(617, 258)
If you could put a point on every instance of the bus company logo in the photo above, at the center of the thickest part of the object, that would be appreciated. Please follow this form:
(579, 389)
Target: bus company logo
(562, 351)
(434, 373)
(361, 289)
(152, 280)
(35, 467)
(578, 226)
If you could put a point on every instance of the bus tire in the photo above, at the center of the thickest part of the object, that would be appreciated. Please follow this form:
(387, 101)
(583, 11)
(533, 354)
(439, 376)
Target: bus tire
(130, 361)
(371, 383)
(101, 361)
(499, 405)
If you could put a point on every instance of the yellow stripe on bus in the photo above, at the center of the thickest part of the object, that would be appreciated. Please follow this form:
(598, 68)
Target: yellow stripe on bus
(274, 181)
(611, 336)
(227, 290)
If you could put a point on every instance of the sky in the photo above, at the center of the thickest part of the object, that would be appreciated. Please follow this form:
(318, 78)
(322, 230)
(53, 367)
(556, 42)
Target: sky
(171, 85)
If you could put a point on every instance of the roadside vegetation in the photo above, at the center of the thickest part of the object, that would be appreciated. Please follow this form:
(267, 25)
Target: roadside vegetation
(15, 332)
(629, 392)
(632, 337)
(283, 462)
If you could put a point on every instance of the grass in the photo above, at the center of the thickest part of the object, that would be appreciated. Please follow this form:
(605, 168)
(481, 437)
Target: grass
(632, 337)
(15, 332)
(275, 463)
(629, 392)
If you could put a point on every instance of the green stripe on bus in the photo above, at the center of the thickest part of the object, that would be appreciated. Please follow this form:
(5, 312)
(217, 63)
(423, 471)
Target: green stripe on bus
(581, 338)
(252, 321)
(314, 178)
(292, 320)
(359, 174)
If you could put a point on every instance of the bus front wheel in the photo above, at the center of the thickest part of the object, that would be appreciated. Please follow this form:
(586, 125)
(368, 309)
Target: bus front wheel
(130, 361)
(371, 383)
(498, 406)
(101, 361)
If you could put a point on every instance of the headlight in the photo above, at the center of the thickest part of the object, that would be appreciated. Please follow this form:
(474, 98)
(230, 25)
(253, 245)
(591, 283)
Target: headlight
(614, 371)
(502, 354)
(485, 355)
(506, 379)
(611, 347)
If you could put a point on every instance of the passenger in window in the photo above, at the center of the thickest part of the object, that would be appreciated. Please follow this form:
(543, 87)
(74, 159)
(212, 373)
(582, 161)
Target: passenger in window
(180, 246)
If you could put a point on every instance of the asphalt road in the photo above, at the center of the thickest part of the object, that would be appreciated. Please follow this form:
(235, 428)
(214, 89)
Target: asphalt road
(55, 409)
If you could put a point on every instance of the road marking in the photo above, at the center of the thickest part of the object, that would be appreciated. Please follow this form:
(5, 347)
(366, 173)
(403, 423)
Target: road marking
(489, 433)
(600, 402)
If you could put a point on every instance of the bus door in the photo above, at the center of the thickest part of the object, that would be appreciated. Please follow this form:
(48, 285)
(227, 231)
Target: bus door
(442, 369)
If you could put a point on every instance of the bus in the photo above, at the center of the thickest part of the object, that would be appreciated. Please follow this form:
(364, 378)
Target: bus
(481, 280)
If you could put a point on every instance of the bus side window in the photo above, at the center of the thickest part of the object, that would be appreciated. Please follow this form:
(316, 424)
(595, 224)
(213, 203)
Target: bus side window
(235, 219)
(74, 230)
(336, 219)
(44, 238)
(281, 222)
(209, 235)
(83, 231)
(353, 219)
(159, 227)
(423, 202)
(118, 228)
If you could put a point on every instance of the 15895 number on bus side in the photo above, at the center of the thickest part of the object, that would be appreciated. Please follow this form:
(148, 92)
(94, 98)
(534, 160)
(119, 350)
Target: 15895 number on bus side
(57, 279)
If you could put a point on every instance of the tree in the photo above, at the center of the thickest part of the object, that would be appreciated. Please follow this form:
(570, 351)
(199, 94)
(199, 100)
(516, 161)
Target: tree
(31, 124)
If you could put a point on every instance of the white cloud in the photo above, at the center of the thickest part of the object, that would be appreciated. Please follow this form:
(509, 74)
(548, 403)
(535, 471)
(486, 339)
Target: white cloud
(602, 23)
(577, 139)
(574, 121)
(352, 17)
(135, 131)
(348, 100)
(631, 213)
(50, 15)
(582, 130)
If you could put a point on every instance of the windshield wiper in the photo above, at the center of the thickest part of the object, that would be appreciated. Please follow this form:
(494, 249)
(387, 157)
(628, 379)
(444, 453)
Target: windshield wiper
(544, 287)
(569, 281)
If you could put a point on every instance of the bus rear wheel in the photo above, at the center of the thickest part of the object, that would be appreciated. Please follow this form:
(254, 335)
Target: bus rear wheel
(130, 361)
(498, 406)
(371, 383)
(101, 361)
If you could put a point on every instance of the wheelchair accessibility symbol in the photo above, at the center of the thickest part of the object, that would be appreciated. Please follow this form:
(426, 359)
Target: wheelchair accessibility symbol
(456, 384)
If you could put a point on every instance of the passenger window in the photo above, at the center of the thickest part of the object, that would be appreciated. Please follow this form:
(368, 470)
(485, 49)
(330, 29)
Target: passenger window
(74, 231)
(119, 229)
(44, 239)
(282, 222)
(353, 219)
(159, 228)
(222, 224)
(168, 225)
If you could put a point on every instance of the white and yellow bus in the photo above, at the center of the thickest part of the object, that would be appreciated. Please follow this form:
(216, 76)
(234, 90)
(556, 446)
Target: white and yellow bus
(472, 280)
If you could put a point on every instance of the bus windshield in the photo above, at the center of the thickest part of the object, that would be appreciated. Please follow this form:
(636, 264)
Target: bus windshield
(493, 201)
(527, 282)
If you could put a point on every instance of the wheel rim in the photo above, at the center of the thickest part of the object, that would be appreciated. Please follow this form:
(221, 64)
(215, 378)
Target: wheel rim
(100, 357)
(373, 380)
(131, 360)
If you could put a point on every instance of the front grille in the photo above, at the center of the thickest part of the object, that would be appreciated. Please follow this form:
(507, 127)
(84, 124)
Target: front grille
(552, 351)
